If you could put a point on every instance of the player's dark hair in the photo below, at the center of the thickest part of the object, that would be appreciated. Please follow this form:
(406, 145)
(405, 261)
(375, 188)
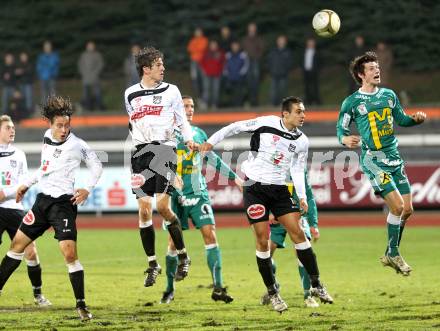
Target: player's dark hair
(186, 96)
(146, 58)
(286, 104)
(357, 65)
(56, 106)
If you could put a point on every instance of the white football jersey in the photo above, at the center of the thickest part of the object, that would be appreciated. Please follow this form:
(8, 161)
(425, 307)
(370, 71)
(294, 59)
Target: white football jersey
(13, 169)
(155, 113)
(59, 162)
(277, 155)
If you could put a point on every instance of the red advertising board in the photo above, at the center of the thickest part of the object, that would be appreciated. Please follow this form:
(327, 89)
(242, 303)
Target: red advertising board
(335, 187)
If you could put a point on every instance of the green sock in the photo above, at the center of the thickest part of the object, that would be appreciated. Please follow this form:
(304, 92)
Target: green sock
(305, 280)
(171, 268)
(393, 226)
(274, 267)
(214, 260)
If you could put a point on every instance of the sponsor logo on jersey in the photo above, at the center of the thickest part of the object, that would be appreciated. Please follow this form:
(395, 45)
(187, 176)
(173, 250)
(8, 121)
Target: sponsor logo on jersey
(275, 139)
(362, 109)
(6, 178)
(157, 99)
(29, 218)
(188, 202)
(256, 211)
(146, 110)
(13, 163)
(277, 157)
(44, 165)
(346, 121)
(137, 180)
(57, 152)
(292, 148)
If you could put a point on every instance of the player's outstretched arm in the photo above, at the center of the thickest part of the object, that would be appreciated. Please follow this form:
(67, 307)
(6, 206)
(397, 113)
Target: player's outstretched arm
(351, 141)
(21, 191)
(419, 117)
(80, 196)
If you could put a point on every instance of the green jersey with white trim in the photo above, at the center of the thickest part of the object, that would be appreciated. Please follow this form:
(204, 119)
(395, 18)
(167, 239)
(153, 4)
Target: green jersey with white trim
(374, 115)
(189, 164)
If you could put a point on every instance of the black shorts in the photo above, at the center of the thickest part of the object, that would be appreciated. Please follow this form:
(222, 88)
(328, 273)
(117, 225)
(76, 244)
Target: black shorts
(10, 220)
(47, 211)
(153, 169)
(261, 198)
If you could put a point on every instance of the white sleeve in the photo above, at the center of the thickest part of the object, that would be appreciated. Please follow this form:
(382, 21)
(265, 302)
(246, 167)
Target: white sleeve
(93, 164)
(298, 166)
(22, 174)
(180, 117)
(233, 129)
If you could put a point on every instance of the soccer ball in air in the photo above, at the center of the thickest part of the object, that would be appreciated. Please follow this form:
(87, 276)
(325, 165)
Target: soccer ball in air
(326, 23)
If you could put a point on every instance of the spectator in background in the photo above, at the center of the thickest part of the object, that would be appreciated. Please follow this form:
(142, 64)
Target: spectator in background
(385, 58)
(280, 62)
(17, 106)
(311, 68)
(356, 50)
(130, 71)
(225, 38)
(235, 71)
(48, 65)
(212, 65)
(253, 45)
(196, 49)
(8, 80)
(90, 65)
(25, 79)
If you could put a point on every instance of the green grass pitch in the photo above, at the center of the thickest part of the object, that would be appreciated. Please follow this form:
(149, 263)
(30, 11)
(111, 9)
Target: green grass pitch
(367, 295)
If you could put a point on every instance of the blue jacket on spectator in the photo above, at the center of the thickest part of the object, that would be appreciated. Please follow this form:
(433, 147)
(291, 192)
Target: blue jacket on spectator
(237, 66)
(48, 65)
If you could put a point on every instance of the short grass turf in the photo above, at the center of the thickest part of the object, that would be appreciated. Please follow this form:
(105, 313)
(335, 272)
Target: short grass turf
(367, 295)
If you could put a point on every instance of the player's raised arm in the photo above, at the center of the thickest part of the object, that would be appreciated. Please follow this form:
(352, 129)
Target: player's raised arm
(404, 119)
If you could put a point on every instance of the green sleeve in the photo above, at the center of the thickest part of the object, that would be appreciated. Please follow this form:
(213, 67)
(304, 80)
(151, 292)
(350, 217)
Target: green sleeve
(215, 161)
(344, 120)
(399, 114)
(312, 213)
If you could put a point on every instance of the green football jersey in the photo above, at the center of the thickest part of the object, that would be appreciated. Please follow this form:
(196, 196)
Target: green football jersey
(374, 115)
(312, 214)
(189, 164)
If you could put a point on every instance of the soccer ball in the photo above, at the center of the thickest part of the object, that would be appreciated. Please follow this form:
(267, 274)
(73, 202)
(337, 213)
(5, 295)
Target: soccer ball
(326, 23)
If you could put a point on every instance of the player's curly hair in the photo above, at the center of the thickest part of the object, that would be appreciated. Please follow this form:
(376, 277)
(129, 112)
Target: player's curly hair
(146, 58)
(56, 106)
(286, 104)
(357, 65)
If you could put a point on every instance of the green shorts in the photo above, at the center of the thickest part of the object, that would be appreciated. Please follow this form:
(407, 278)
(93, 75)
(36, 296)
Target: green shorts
(385, 178)
(196, 207)
(278, 232)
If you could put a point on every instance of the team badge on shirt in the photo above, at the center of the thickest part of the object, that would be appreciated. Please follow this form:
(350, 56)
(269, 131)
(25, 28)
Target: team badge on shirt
(362, 109)
(390, 103)
(157, 99)
(292, 148)
(57, 152)
(13, 163)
